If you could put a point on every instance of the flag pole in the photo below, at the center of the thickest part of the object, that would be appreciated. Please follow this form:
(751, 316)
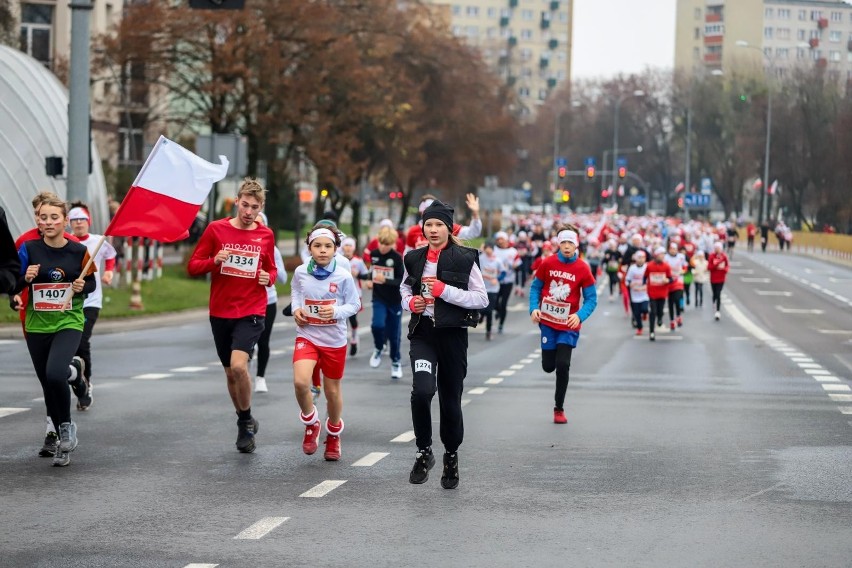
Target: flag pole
(138, 177)
(86, 269)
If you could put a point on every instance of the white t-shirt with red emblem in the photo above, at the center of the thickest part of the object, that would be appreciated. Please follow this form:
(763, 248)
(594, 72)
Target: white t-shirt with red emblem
(338, 290)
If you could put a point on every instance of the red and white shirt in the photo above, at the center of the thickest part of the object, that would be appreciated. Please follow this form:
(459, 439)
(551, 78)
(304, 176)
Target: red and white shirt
(562, 290)
(338, 290)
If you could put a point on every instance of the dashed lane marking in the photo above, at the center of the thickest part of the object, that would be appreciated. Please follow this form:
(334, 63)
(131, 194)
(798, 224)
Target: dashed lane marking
(533, 355)
(261, 528)
(835, 331)
(478, 390)
(669, 337)
(773, 293)
(836, 388)
(845, 409)
(370, 459)
(826, 379)
(197, 565)
(516, 367)
(755, 280)
(9, 341)
(841, 397)
(404, 437)
(506, 373)
(494, 381)
(188, 369)
(152, 376)
(465, 402)
(11, 411)
(278, 352)
(736, 338)
(323, 488)
(801, 359)
(537, 351)
(526, 361)
(817, 372)
(517, 307)
(741, 271)
(784, 310)
(810, 365)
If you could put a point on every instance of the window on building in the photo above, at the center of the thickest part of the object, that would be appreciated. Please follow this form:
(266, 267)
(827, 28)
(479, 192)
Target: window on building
(131, 141)
(506, 33)
(696, 53)
(783, 13)
(560, 75)
(782, 53)
(458, 31)
(767, 51)
(803, 15)
(492, 33)
(801, 53)
(473, 11)
(767, 33)
(783, 33)
(472, 31)
(837, 16)
(524, 92)
(36, 25)
(814, 34)
(492, 12)
(801, 35)
(525, 53)
(834, 55)
(768, 13)
(714, 29)
(698, 13)
(527, 15)
(561, 56)
(563, 17)
(816, 15)
(816, 54)
(526, 34)
(457, 10)
(697, 33)
(505, 13)
(542, 94)
(526, 72)
(835, 36)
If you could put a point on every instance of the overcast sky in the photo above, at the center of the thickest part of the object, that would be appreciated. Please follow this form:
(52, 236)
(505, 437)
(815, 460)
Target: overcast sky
(622, 36)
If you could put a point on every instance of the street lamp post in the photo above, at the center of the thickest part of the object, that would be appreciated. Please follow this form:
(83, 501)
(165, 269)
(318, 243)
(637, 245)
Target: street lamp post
(688, 166)
(621, 99)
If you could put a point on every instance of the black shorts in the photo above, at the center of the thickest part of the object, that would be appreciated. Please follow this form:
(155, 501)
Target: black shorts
(235, 334)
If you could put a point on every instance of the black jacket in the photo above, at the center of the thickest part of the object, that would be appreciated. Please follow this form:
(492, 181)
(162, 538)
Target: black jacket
(10, 264)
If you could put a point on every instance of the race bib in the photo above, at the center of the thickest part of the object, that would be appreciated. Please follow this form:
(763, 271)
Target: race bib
(386, 271)
(658, 279)
(555, 312)
(425, 290)
(489, 273)
(312, 311)
(612, 264)
(51, 297)
(241, 263)
(722, 265)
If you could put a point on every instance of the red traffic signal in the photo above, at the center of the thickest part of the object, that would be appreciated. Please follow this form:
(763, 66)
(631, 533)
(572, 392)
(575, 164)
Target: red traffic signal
(562, 171)
(395, 195)
(622, 172)
(680, 202)
(590, 172)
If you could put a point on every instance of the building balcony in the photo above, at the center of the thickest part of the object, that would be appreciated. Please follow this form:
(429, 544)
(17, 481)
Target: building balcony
(545, 24)
(713, 40)
(504, 21)
(513, 3)
(551, 83)
(822, 23)
(822, 63)
(712, 18)
(814, 42)
(553, 44)
(513, 41)
(712, 58)
(543, 63)
(554, 5)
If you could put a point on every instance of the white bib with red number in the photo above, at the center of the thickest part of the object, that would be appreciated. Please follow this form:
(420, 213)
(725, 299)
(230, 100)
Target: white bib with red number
(241, 263)
(51, 297)
(555, 312)
(312, 311)
(658, 278)
(386, 271)
(425, 290)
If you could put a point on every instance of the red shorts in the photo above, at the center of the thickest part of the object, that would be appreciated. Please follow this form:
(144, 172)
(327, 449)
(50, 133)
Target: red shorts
(330, 360)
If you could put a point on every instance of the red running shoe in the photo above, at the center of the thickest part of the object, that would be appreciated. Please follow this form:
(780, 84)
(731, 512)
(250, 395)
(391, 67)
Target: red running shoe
(679, 321)
(312, 432)
(673, 326)
(559, 417)
(332, 448)
(638, 332)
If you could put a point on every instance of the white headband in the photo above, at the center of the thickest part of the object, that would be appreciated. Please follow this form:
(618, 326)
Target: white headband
(321, 233)
(570, 236)
(77, 213)
(347, 241)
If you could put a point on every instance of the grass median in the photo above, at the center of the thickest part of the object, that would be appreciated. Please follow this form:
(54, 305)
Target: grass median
(174, 292)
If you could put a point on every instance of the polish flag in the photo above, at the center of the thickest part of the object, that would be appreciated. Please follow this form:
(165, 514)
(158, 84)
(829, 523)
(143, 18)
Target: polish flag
(758, 183)
(680, 187)
(773, 188)
(167, 194)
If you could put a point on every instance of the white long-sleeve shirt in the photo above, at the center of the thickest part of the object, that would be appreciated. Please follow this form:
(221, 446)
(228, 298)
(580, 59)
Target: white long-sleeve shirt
(635, 279)
(338, 290)
(96, 298)
(474, 298)
(281, 278)
(510, 259)
(471, 231)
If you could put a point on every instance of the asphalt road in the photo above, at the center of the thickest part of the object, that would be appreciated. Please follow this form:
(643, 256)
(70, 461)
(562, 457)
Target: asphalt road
(722, 444)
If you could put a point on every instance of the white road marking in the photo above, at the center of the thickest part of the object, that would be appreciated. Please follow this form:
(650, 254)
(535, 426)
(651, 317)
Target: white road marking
(670, 337)
(216, 363)
(188, 369)
(370, 459)
(741, 271)
(494, 381)
(773, 293)
(833, 279)
(404, 437)
(533, 355)
(747, 324)
(478, 390)
(817, 372)
(261, 528)
(506, 373)
(756, 280)
(835, 331)
(197, 565)
(801, 359)
(784, 310)
(841, 397)
(736, 338)
(810, 365)
(537, 351)
(11, 411)
(9, 341)
(836, 388)
(152, 376)
(516, 367)
(795, 354)
(38, 399)
(845, 409)
(826, 379)
(323, 488)
(465, 402)
(526, 361)
(278, 352)
(517, 307)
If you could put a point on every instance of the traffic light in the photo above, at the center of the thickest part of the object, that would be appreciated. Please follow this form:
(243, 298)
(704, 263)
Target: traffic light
(562, 172)
(323, 193)
(605, 193)
(566, 196)
(622, 172)
(590, 173)
(680, 202)
(395, 195)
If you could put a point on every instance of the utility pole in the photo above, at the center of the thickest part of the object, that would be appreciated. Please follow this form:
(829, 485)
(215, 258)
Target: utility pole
(79, 142)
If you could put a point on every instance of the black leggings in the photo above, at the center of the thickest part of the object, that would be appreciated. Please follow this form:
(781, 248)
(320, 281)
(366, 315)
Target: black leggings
(658, 309)
(263, 342)
(558, 360)
(503, 302)
(85, 349)
(487, 313)
(438, 364)
(675, 296)
(613, 282)
(51, 354)
(717, 294)
(699, 294)
(639, 308)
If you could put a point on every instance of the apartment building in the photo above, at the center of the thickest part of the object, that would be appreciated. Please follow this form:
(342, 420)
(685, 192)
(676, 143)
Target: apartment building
(719, 34)
(526, 42)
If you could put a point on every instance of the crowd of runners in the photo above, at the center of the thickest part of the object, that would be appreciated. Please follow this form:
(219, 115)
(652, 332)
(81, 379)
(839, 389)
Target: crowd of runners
(654, 266)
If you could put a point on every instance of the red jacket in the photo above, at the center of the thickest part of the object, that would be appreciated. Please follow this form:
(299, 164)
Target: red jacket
(658, 275)
(718, 265)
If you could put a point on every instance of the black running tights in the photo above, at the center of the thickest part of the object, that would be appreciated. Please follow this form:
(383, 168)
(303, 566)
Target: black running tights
(658, 308)
(263, 341)
(51, 354)
(558, 360)
(502, 305)
(717, 294)
(675, 297)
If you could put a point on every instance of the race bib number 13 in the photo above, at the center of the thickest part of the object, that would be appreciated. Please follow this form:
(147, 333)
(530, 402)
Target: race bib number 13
(241, 263)
(312, 311)
(51, 297)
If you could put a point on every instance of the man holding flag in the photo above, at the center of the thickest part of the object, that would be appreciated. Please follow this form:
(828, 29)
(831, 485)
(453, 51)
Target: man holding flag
(238, 252)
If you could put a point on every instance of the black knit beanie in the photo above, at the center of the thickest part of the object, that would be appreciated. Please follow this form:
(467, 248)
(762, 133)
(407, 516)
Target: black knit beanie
(440, 211)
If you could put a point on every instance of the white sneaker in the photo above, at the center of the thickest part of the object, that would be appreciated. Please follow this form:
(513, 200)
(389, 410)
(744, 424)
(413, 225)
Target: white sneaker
(718, 316)
(260, 385)
(376, 358)
(396, 370)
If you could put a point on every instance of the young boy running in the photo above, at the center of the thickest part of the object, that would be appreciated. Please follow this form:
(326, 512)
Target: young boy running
(555, 307)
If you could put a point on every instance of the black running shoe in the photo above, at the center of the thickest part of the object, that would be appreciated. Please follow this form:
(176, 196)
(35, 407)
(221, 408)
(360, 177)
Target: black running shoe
(85, 401)
(424, 461)
(51, 442)
(450, 476)
(246, 429)
(78, 385)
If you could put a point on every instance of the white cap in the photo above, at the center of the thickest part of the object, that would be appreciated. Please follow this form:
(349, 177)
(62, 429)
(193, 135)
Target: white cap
(569, 236)
(424, 205)
(659, 250)
(386, 223)
(78, 213)
(501, 235)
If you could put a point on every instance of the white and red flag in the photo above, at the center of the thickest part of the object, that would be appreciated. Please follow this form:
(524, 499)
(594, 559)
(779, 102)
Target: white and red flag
(680, 187)
(167, 194)
(773, 188)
